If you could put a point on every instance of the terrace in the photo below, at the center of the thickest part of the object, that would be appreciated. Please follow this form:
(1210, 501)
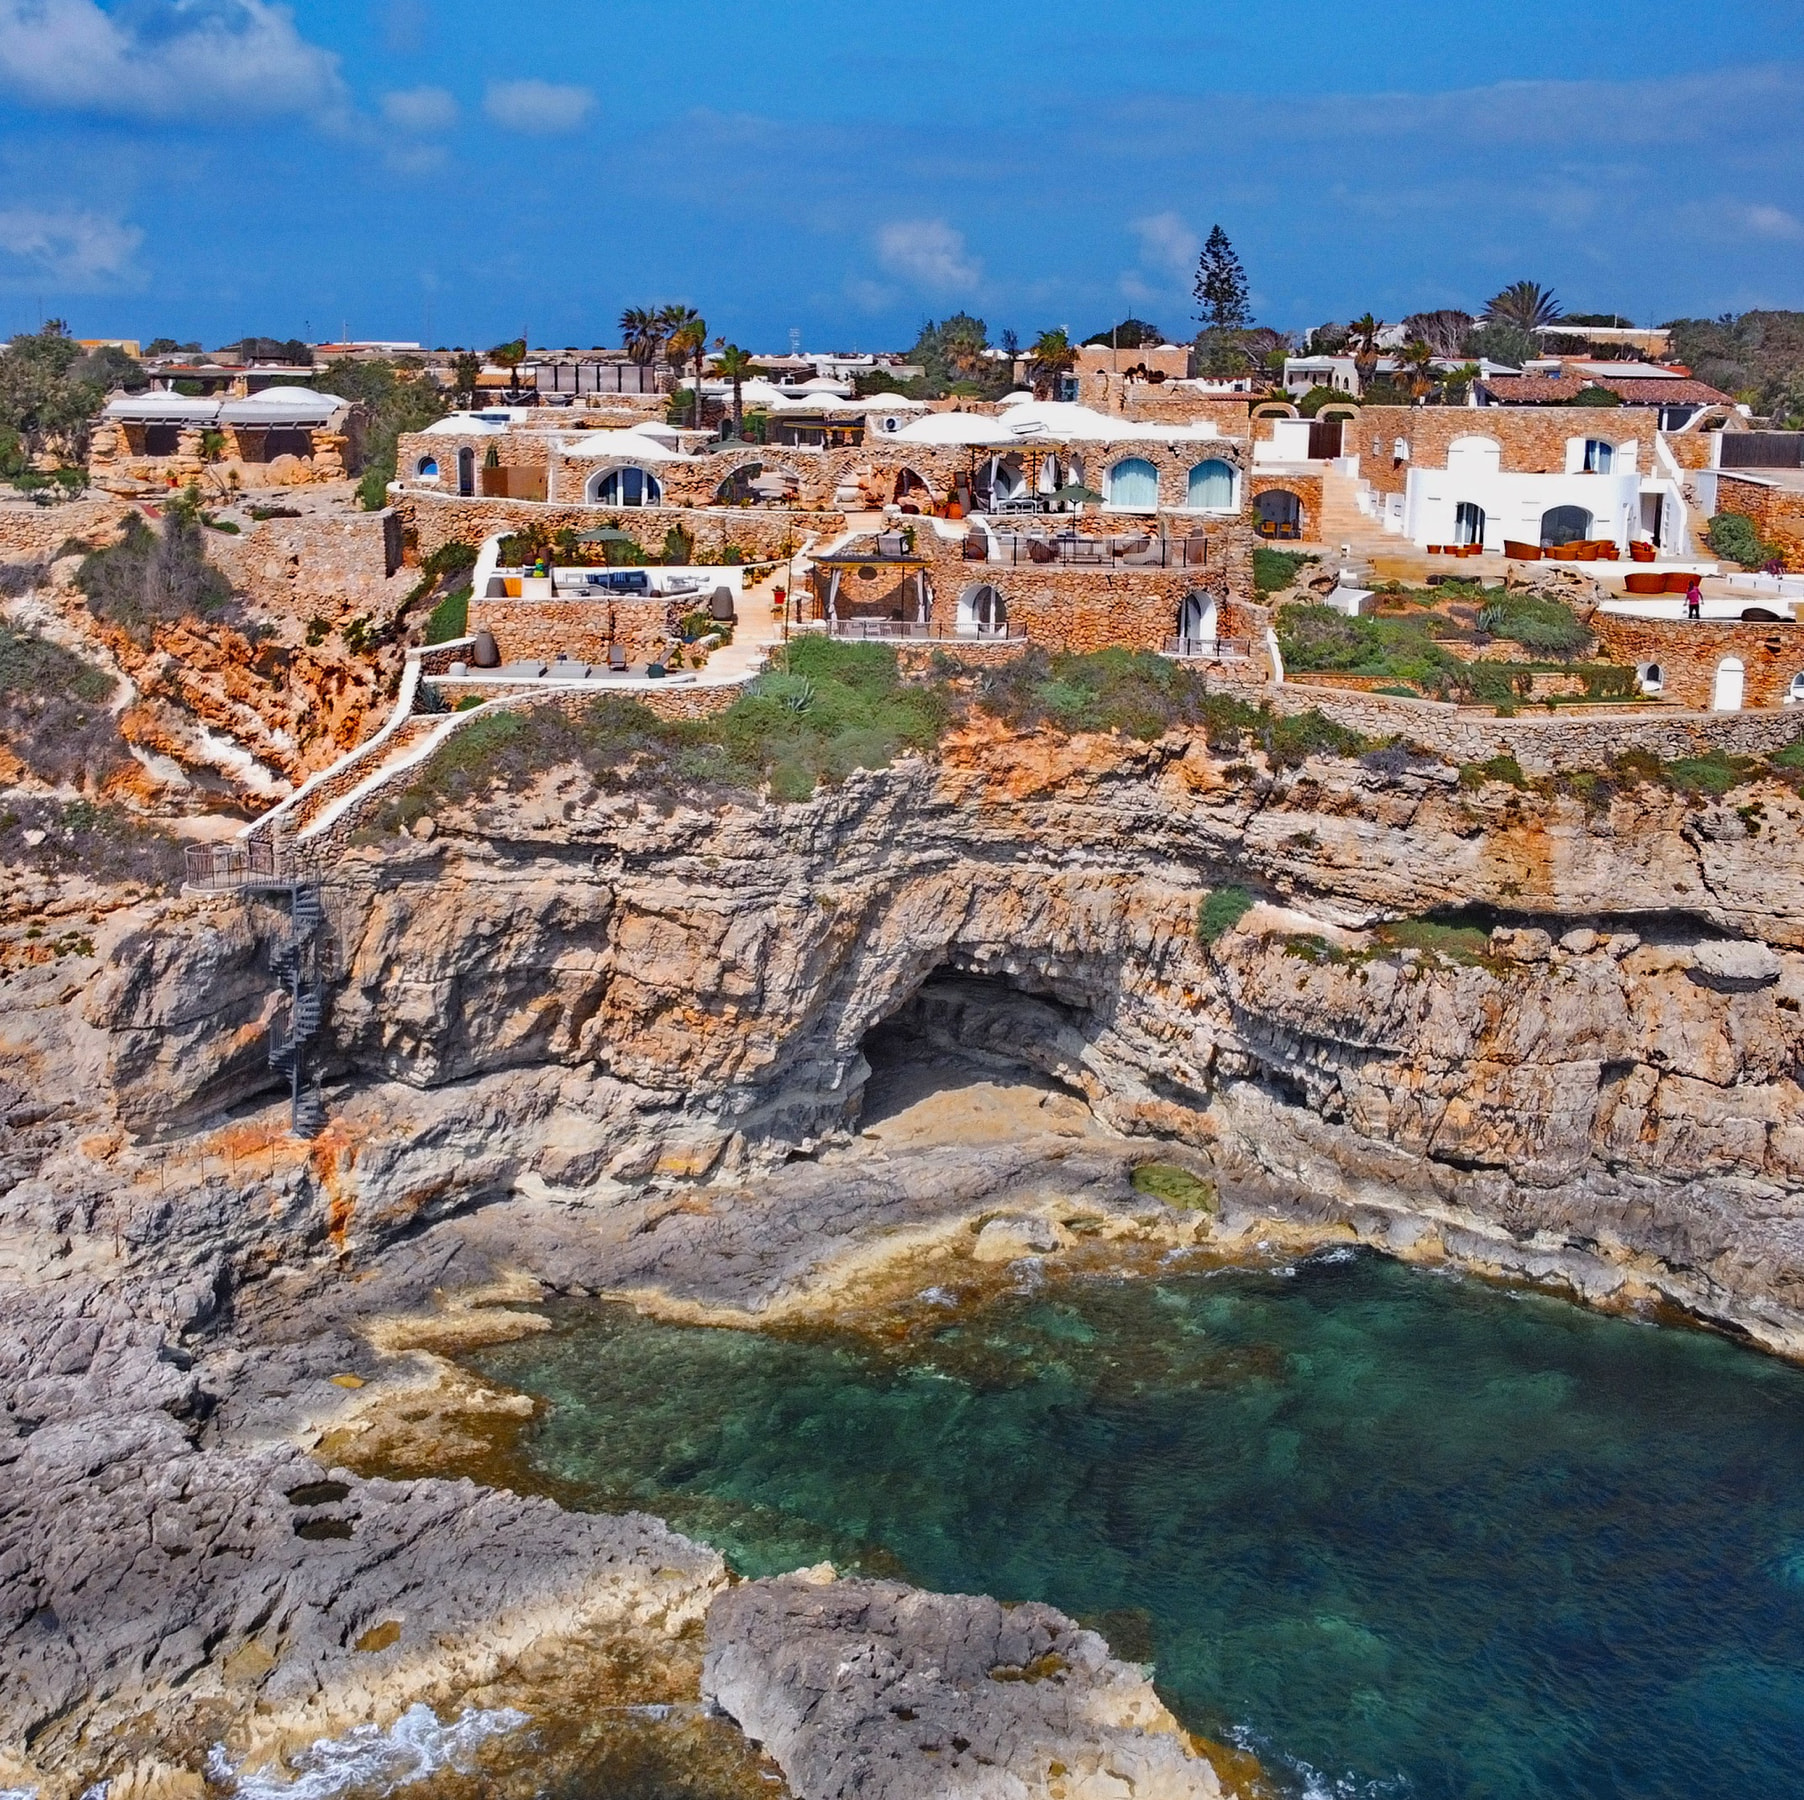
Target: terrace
(1071, 548)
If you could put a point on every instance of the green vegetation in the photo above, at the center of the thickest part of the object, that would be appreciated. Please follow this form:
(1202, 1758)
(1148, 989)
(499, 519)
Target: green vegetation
(1448, 942)
(106, 843)
(1275, 570)
(53, 710)
(449, 619)
(1175, 1186)
(1499, 768)
(1756, 356)
(398, 396)
(1412, 649)
(151, 578)
(839, 707)
(1714, 773)
(1737, 537)
(1219, 911)
(951, 356)
(50, 391)
(1143, 696)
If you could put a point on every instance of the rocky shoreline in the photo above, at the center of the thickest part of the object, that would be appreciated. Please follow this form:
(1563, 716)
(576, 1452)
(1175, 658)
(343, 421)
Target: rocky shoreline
(582, 1045)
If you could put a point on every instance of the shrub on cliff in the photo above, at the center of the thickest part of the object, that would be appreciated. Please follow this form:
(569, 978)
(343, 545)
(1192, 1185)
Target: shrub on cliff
(1735, 536)
(53, 710)
(105, 843)
(149, 578)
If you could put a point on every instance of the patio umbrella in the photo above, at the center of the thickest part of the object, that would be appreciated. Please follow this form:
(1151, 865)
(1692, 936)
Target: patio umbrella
(1074, 492)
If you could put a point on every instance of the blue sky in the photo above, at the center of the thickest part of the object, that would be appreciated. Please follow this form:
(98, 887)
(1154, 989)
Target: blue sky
(207, 168)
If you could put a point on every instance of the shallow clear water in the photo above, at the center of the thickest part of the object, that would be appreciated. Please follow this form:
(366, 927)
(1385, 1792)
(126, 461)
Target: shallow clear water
(1398, 1532)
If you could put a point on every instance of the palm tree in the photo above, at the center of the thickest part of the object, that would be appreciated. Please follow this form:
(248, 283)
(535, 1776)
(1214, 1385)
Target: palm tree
(1415, 360)
(1362, 337)
(1050, 357)
(1524, 304)
(685, 335)
(735, 364)
(641, 334)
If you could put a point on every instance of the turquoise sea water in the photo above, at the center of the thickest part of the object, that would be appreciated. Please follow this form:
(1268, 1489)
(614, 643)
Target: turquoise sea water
(1397, 1532)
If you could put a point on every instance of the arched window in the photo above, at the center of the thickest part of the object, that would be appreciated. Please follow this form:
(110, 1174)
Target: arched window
(982, 612)
(1474, 455)
(466, 471)
(1650, 677)
(1794, 693)
(1598, 456)
(1725, 691)
(1468, 523)
(1134, 485)
(1565, 525)
(627, 487)
(1196, 625)
(1211, 486)
(427, 467)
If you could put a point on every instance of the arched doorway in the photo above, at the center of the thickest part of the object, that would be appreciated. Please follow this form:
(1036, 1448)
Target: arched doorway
(1197, 615)
(982, 612)
(1565, 525)
(911, 492)
(1278, 513)
(1000, 480)
(1726, 691)
(466, 471)
(1468, 523)
(737, 489)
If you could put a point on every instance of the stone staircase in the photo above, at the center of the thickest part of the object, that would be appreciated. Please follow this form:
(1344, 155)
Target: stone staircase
(1374, 555)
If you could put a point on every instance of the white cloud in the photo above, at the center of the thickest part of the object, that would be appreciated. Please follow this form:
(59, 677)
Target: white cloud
(167, 59)
(421, 109)
(1167, 243)
(72, 250)
(539, 108)
(929, 253)
(1774, 222)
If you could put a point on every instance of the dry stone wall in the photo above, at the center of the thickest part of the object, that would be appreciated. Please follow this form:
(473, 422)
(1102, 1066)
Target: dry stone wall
(1777, 512)
(1531, 440)
(1690, 653)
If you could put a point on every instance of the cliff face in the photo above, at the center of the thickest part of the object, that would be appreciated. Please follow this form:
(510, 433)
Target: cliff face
(588, 994)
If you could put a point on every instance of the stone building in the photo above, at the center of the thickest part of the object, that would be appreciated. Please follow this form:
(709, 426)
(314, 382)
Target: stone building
(281, 437)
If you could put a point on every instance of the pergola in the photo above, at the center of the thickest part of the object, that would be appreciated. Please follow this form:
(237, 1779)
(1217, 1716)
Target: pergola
(867, 567)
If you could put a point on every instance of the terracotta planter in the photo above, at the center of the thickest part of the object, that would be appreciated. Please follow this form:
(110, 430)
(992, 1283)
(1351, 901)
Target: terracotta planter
(1472, 550)
(1521, 552)
(1636, 583)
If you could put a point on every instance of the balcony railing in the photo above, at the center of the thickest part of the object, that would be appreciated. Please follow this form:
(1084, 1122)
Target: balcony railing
(1071, 550)
(256, 863)
(922, 631)
(1209, 649)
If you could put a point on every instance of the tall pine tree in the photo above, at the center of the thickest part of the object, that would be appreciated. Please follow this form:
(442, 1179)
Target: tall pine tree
(1221, 285)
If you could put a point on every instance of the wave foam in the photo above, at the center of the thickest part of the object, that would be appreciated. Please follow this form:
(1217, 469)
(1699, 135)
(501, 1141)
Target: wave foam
(412, 1748)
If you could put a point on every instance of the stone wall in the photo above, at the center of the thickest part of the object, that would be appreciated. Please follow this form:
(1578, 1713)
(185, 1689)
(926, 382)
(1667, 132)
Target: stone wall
(582, 629)
(1064, 607)
(763, 533)
(1550, 744)
(119, 461)
(1531, 439)
(331, 565)
(31, 533)
(1778, 512)
(1689, 652)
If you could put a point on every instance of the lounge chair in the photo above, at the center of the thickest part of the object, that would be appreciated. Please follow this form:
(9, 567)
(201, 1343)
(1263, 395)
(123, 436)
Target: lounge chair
(525, 671)
(617, 664)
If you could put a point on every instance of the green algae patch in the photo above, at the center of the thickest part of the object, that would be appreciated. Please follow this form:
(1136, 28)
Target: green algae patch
(1175, 1186)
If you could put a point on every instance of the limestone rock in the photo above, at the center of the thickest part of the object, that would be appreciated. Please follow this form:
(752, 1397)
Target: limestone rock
(876, 1689)
(1005, 1239)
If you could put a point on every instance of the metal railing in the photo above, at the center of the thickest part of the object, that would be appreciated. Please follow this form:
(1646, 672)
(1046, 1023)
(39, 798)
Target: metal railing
(1210, 649)
(1073, 551)
(920, 631)
(241, 863)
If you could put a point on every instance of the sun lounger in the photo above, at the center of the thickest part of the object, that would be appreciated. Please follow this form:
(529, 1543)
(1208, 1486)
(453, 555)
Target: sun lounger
(616, 659)
(524, 671)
